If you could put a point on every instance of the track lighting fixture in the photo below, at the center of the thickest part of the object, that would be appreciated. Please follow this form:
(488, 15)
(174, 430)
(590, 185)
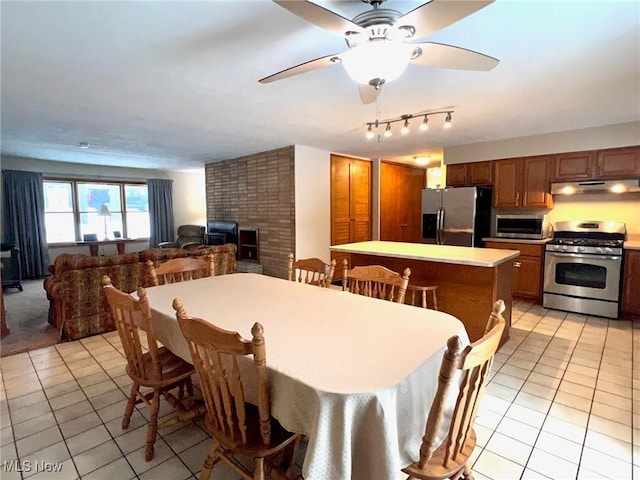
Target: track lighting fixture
(424, 126)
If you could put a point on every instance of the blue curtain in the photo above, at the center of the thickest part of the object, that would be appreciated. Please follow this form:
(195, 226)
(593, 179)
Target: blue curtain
(24, 227)
(160, 211)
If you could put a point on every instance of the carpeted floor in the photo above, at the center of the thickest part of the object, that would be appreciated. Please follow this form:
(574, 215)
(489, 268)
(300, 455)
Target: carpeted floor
(27, 319)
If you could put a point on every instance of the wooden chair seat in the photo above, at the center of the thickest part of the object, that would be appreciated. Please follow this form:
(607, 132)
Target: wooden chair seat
(422, 291)
(172, 369)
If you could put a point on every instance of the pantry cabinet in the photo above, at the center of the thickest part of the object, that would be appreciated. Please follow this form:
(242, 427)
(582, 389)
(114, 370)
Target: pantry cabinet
(527, 268)
(470, 174)
(522, 183)
(350, 202)
(400, 202)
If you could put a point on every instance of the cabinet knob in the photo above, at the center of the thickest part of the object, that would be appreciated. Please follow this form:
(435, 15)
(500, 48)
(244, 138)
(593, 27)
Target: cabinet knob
(517, 264)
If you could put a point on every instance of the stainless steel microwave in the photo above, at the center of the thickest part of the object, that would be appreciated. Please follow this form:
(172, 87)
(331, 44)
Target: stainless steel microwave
(531, 227)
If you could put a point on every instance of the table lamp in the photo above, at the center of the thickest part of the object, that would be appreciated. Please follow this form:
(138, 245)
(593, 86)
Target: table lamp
(104, 212)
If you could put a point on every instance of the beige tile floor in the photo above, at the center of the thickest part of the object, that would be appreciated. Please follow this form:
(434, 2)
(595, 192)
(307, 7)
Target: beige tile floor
(563, 402)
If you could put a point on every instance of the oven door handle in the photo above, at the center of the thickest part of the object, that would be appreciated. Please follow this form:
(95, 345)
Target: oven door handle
(583, 255)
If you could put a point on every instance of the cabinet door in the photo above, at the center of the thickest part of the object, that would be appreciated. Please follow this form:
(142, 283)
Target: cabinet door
(527, 275)
(400, 202)
(568, 167)
(506, 183)
(480, 173)
(389, 202)
(457, 175)
(413, 181)
(631, 285)
(619, 162)
(360, 200)
(535, 183)
(340, 200)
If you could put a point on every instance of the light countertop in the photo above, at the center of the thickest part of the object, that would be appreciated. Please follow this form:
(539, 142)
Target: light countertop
(516, 240)
(632, 245)
(480, 257)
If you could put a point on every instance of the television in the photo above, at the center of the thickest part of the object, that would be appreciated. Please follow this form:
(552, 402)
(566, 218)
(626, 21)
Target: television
(221, 232)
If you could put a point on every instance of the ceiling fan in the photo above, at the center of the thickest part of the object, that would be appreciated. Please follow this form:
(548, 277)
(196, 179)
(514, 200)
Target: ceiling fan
(381, 42)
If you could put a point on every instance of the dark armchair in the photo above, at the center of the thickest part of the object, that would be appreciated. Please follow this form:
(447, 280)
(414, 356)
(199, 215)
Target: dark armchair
(189, 237)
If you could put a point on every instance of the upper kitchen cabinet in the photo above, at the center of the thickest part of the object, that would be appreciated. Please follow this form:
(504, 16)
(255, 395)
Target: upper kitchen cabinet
(619, 162)
(350, 201)
(522, 183)
(597, 165)
(469, 174)
(401, 202)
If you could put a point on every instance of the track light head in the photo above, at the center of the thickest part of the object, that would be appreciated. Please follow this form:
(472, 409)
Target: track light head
(424, 126)
(370, 133)
(447, 120)
(387, 131)
(405, 127)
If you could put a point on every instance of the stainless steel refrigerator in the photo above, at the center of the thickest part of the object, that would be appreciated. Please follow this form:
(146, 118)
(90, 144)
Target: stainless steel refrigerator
(456, 216)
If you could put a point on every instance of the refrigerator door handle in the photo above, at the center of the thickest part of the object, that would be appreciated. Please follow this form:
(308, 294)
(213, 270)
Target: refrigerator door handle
(441, 226)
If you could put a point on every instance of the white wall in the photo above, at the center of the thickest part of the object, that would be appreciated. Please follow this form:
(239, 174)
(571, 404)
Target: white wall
(610, 136)
(312, 170)
(189, 197)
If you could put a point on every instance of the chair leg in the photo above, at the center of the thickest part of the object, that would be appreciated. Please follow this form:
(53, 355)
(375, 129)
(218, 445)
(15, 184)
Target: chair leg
(424, 299)
(152, 430)
(258, 474)
(213, 457)
(467, 474)
(131, 402)
(435, 300)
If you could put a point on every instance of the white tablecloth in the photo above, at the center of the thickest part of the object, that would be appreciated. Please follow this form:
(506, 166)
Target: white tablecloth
(356, 375)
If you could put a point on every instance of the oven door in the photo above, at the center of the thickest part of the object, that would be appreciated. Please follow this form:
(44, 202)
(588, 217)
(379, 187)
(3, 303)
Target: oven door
(583, 275)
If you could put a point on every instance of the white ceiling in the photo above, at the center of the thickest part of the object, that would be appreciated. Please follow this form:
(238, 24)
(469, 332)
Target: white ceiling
(174, 85)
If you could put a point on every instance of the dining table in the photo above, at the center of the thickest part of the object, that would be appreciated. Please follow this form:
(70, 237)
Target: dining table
(355, 375)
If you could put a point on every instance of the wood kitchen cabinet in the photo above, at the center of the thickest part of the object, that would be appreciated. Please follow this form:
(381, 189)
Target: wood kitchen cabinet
(470, 174)
(401, 202)
(350, 203)
(522, 183)
(527, 268)
(631, 282)
(609, 164)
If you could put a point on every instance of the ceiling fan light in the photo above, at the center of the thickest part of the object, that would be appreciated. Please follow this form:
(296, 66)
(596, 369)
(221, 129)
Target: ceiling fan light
(424, 126)
(377, 60)
(387, 131)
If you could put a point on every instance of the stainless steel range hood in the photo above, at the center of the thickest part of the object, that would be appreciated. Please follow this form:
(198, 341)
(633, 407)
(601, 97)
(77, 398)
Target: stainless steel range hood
(596, 186)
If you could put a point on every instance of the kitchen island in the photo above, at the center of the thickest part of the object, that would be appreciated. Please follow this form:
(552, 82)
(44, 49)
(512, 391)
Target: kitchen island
(469, 279)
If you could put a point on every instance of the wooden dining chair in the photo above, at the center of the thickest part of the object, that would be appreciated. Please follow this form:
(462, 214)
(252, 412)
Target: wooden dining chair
(148, 365)
(181, 269)
(312, 271)
(375, 281)
(463, 372)
(237, 427)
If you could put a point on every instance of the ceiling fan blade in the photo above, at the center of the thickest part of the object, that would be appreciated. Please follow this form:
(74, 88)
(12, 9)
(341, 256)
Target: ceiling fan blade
(302, 68)
(437, 14)
(448, 56)
(320, 16)
(368, 94)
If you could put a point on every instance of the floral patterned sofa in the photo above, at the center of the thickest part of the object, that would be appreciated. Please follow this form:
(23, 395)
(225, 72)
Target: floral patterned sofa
(77, 307)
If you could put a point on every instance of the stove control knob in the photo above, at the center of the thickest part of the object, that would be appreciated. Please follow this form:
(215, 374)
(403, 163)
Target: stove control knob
(599, 249)
(580, 249)
(608, 250)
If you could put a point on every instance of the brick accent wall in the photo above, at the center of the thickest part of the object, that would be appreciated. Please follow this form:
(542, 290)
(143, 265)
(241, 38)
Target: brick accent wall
(257, 191)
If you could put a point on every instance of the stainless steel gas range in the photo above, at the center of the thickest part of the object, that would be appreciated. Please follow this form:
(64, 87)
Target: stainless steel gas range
(583, 267)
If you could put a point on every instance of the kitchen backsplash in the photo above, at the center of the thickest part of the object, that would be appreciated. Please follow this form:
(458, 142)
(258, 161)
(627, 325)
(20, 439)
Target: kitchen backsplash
(620, 208)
